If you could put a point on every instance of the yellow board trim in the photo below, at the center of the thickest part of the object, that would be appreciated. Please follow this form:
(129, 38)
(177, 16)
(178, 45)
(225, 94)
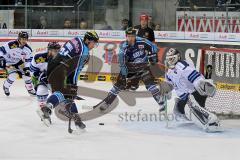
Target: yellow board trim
(112, 77)
(228, 87)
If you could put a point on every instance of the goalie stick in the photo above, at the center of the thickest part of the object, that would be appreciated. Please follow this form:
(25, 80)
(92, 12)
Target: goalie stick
(165, 97)
(70, 130)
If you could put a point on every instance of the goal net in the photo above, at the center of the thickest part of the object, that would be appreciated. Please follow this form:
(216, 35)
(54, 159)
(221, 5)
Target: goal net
(223, 66)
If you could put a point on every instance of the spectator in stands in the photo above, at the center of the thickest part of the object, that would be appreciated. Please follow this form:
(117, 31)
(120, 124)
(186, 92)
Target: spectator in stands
(83, 25)
(150, 23)
(157, 27)
(42, 23)
(124, 24)
(106, 26)
(67, 24)
(143, 29)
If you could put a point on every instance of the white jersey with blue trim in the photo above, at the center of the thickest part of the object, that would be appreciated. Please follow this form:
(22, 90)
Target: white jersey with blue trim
(39, 64)
(184, 77)
(13, 53)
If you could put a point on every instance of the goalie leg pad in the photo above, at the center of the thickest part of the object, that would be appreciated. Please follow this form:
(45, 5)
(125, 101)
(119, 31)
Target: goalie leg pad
(202, 117)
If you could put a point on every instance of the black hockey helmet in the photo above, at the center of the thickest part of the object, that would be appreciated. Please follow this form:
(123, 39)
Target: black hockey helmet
(53, 45)
(23, 34)
(91, 36)
(131, 31)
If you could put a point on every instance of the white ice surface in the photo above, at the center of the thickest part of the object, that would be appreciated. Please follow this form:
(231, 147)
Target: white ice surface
(24, 137)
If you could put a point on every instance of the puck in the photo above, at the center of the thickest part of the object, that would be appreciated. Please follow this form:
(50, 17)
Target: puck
(101, 124)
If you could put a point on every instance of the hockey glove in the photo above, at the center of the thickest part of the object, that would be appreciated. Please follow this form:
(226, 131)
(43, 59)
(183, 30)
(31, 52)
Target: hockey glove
(166, 89)
(152, 58)
(2, 63)
(206, 87)
(121, 82)
(43, 78)
(27, 72)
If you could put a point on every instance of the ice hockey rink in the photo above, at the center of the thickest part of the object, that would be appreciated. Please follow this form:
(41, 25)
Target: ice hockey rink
(24, 137)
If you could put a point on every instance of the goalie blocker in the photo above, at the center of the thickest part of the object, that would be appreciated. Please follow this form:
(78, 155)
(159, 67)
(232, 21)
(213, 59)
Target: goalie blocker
(193, 89)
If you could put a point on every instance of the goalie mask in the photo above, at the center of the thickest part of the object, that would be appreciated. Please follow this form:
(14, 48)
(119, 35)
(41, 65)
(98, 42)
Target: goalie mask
(172, 57)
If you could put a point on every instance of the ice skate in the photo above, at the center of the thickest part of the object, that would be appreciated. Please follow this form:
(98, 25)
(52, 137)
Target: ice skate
(6, 91)
(45, 113)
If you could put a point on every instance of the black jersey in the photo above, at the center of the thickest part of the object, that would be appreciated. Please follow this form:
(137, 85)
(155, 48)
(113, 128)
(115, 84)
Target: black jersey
(147, 33)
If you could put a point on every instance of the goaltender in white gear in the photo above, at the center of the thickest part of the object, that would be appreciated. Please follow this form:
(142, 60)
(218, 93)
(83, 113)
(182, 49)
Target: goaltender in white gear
(193, 89)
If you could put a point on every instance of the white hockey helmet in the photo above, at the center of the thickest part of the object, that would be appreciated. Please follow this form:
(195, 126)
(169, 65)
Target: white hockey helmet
(172, 57)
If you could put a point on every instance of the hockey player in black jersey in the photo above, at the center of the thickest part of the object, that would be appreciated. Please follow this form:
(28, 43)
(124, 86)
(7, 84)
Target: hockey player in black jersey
(135, 56)
(63, 73)
(144, 31)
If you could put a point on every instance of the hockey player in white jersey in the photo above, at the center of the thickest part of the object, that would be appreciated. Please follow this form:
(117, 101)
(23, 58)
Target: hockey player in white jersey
(191, 88)
(15, 57)
(38, 68)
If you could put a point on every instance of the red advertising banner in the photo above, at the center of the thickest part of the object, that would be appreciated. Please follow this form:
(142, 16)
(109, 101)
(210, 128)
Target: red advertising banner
(189, 21)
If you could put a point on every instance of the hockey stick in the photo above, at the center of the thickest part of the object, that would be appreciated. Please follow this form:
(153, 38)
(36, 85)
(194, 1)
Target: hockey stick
(65, 110)
(70, 130)
(165, 110)
(69, 116)
(165, 98)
